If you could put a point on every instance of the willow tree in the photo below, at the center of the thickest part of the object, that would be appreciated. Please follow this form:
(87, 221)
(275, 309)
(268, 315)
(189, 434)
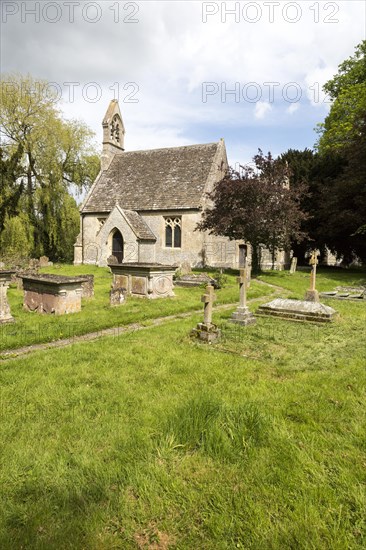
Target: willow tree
(11, 186)
(57, 160)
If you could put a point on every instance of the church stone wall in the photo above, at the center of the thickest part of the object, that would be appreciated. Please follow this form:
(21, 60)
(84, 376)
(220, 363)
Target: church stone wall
(91, 251)
(198, 249)
(192, 241)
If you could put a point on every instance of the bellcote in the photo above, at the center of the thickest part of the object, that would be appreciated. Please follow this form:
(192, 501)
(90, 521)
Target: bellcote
(113, 134)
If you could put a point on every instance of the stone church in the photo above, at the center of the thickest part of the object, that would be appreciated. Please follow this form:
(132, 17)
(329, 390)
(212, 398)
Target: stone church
(144, 206)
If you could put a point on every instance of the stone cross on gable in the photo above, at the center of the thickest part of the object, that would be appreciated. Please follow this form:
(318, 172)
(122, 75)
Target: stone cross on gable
(208, 300)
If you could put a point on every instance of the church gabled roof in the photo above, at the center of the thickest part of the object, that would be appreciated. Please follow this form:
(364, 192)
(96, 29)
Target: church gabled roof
(157, 179)
(139, 226)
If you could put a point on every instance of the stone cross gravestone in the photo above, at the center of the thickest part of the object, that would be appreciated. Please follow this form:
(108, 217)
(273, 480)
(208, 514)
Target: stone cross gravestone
(242, 315)
(207, 330)
(312, 294)
(309, 309)
(249, 273)
(208, 300)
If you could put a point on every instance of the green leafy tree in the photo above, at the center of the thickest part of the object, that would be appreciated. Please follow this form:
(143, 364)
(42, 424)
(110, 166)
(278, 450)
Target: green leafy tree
(342, 206)
(318, 173)
(345, 123)
(57, 159)
(16, 240)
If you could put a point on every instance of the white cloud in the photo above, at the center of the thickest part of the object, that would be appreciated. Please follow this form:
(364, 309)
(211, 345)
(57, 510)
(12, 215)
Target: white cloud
(293, 108)
(261, 109)
(170, 52)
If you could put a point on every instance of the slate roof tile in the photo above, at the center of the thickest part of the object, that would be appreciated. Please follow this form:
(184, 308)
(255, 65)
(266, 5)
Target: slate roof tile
(157, 179)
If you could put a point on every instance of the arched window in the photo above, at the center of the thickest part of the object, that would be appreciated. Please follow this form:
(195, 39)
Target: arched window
(173, 232)
(117, 246)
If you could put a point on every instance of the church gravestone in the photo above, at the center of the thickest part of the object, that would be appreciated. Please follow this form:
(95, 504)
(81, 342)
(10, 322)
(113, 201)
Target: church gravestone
(310, 309)
(207, 331)
(117, 296)
(293, 265)
(185, 268)
(312, 294)
(242, 315)
(88, 286)
(43, 261)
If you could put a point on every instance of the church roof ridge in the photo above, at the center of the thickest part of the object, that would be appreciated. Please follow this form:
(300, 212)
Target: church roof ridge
(193, 145)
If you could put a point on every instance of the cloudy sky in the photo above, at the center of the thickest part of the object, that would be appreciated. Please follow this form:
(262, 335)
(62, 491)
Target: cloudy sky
(188, 72)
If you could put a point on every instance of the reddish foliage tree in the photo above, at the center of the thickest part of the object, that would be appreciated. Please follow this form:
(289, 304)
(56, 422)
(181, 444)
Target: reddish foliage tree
(257, 205)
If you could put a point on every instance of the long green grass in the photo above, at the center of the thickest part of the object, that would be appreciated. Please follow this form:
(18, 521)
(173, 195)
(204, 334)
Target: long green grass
(153, 440)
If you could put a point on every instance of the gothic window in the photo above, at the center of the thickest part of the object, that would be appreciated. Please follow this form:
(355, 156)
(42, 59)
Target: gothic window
(173, 232)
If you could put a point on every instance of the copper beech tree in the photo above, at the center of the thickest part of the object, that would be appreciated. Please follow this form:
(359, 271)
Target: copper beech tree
(257, 204)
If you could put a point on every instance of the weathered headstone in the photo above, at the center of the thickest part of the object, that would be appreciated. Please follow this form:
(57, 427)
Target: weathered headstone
(242, 315)
(207, 330)
(312, 294)
(88, 286)
(33, 263)
(195, 279)
(117, 296)
(112, 260)
(5, 314)
(293, 265)
(43, 261)
(185, 268)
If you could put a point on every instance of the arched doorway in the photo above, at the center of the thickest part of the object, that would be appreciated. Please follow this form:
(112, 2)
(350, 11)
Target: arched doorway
(117, 246)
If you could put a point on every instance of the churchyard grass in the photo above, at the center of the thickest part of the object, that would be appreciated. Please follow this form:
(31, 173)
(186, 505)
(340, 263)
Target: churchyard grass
(326, 279)
(32, 328)
(152, 440)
